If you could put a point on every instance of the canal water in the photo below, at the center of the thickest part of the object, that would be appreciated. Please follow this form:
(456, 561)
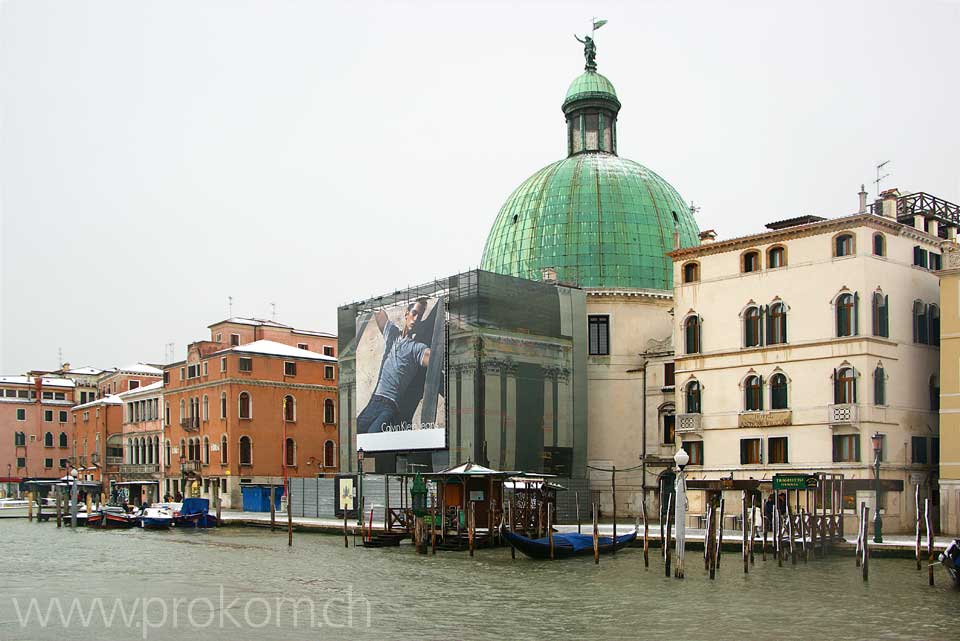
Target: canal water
(243, 583)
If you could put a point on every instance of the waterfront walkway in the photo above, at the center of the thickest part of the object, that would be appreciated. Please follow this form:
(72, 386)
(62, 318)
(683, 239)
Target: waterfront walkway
(894, 545)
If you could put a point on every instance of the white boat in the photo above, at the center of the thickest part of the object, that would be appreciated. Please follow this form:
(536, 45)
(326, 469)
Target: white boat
(156, 517)
(17, 508)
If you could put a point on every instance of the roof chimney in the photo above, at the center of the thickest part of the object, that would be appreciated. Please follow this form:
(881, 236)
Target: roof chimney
(863, 200)
(889, 200)
(707, 236)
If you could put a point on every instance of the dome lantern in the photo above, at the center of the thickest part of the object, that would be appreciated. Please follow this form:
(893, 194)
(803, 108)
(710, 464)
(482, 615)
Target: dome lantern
(591, 107)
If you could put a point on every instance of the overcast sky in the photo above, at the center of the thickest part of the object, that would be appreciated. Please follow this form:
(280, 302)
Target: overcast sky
(158, 157)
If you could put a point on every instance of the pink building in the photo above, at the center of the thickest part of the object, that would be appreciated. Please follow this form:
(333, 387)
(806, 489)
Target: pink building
(34, 429)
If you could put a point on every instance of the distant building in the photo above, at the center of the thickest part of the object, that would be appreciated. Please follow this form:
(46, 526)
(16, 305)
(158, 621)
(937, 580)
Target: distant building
(226, 405)
(797, 345)
(128, 377)
(34, 429)
(85, 378)
(142, 439)
(97, 447)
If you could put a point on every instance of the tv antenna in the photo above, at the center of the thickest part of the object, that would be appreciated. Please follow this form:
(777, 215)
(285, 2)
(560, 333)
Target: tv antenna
(273, 311)
(229, 306)
(59, 358)
(879, 177)
(694, 209)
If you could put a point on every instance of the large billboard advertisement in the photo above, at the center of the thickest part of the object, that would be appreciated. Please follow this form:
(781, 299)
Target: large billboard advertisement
(401, 359)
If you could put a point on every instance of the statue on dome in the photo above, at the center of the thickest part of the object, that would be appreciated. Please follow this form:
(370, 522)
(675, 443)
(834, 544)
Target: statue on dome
(589, 52)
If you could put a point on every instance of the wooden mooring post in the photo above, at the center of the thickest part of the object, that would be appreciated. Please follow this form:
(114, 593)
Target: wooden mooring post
(596, 536)
(753, 525)
(707, 538)
(273, 510)
(791, 531)
(513, 550)
(346, 539)
(916, 498)
(577, 498)
(859, 552)
(550, 528)
(926, 511)
(720, 533)
(865, 562)
(59, 508)
(29, 507)
(669, 522)
(745, 528)
(646, 532)
(805, 551)
(613, 488)
(711, 548)
(472, 534)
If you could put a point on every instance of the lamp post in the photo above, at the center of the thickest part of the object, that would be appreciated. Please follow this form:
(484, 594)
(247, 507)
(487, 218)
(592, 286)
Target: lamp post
(681, 458)
(877, 439)
(73, 498)
(359, 505)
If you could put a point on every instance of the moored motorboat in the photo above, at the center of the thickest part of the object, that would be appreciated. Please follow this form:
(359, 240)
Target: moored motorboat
(567, 544)
(112, 517)
(156, 517)
(19, 508)
(195, 513)
(950, 560)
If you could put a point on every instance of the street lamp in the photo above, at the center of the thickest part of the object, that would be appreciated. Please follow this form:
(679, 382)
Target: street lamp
(359, 504)
(681, 458)
(877, 439)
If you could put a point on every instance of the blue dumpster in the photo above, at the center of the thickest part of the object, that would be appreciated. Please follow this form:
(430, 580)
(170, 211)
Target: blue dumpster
(256, 498)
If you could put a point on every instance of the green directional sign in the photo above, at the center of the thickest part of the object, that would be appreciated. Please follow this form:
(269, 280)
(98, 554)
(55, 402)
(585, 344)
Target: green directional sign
(794, 481)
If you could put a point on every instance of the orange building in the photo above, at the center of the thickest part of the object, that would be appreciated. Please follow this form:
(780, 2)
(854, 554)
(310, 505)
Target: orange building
(34, 429)
(97, 448)
(227, 409)
(128, 377)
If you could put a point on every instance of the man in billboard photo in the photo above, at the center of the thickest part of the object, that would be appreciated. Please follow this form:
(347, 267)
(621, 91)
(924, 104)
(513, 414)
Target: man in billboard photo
(405, 358)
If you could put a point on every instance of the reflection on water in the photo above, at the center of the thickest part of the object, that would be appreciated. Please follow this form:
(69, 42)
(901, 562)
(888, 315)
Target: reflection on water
(224, 584)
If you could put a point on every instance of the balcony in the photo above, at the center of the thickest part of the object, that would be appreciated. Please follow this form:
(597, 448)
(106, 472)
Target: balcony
(843, 414)
(190, 424)
(189, 467)
(772, 418)
(688, 424)
(139, 469)
(115, 460)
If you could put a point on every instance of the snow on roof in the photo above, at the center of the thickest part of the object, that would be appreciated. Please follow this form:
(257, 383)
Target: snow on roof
(157, 385)
(272, 348)
(29, 380)
(140, 368)
(85, 370)
(112, 399)
(240, 320)
(310, 332)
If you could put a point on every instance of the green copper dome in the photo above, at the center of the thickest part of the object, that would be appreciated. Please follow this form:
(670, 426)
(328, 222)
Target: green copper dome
(590, 84)
(597, 219)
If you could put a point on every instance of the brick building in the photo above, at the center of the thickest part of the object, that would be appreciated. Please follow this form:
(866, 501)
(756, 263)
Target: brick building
(34, 429)
(97, 447)
(129, 377)
(226, 408)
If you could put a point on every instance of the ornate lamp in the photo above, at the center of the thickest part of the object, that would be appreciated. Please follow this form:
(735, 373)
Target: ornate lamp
(681, 458)
(418, 493)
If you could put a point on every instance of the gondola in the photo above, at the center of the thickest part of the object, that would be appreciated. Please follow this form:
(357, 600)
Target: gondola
(950, 559)
(195, 513)
(566, 544)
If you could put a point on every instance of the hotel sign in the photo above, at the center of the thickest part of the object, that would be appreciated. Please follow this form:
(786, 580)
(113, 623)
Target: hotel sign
(794, 482)
(766, 419)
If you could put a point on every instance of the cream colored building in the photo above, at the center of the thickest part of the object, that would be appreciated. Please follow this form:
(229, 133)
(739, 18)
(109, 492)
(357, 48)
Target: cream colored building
(950, 394)
(796, 345)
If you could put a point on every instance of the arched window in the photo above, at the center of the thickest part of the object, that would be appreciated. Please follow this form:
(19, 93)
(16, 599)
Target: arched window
(246, 451)
(881, 315)
(751, 327)
(753, 394)
(777, 332)
(63, 439)
(778, 392)
(847, 314)
(291, 453)
(191, 451)
(879, 245)
(166, 453)
(223, 450)
(843, 245)
(183, 449)
(691, 334)
(183, 411)
(329, 456)
(934, 393)
(750, 262)
(844, 386)
(691, 272)
(48, 439)
(223, 405)
(206, 450)
(206, 408)
(692, 393)
(776, 257)
(921, 329)
(933, 319)
(879, 386)
(289, 408)
(328, 416)
(244, 405)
